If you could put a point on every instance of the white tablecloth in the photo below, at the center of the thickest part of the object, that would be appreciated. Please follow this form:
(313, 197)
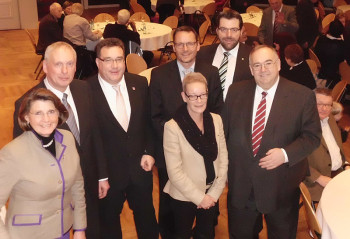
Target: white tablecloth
(333, 211)
(343, 8)
(155, 37)
(254, 18)
(190, 6)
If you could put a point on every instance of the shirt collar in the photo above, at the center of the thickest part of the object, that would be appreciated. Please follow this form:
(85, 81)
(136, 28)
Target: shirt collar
(324, 122)
(295, 65)
(270, 92)
(58, 93)
(181, 68)
(233, 52)
(106, 84)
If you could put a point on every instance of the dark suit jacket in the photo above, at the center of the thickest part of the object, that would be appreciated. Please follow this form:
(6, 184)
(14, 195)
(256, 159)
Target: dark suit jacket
(124, 150)
(300, 74)
(121, 32)
(320, 162)
(265, 33)
(165, 92)
(295, 128)
(242, 71)
(92, 160)
(49, 32)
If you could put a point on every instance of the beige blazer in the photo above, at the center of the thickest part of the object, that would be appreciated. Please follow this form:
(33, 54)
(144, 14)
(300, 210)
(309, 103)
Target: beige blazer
(46, 193)
(185, 166)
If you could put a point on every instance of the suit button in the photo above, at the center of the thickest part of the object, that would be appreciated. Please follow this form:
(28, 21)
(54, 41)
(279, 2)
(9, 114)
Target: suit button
(58, 211)
(60, 181)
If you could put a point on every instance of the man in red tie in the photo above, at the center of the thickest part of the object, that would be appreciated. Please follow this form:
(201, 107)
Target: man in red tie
(271, 126)
(276, 19)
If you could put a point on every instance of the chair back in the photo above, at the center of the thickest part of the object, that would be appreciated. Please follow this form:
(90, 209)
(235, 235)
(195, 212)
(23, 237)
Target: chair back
(310, 214)
(317, 12)
(327, 20)
(177, 13)
(344, 71)
(203, 29)
(252, 30)
(209, 9)
(171, 22)
(102, 17)
(253, 8)
(31, 37)
(313, 66)
(137, 7)
(135, 63)
(337, 3)
(339, 90)
(139, 16)
(313, 56)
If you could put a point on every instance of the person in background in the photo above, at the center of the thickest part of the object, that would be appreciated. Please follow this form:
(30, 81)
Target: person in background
(49, 28)
(40, 173)
(196, 161)
(298, 70)
(67, 9)
(337, 112)
(328, 160)
(166, 8)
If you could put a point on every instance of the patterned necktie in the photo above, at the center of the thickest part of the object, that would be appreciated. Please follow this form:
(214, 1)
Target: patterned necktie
(259, 124)
(275, 24)
(72, 124)
(223, 70)
(122, 116)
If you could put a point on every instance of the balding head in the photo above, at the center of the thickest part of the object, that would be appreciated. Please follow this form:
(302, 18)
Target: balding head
(123, 16)
(56, 10)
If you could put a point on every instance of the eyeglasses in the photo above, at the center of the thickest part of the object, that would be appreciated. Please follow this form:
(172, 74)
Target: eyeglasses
(40, 114)
(181, 45)
(327, 106)
(109, 61)
(225, 30)
(195, 97)
(267, 65)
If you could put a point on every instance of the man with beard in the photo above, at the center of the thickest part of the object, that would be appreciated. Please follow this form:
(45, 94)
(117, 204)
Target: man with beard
(230, 56)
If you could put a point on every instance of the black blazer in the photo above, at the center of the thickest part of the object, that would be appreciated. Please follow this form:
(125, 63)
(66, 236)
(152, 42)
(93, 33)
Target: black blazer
(124, 150)
(293, 125)
(49, 32)
(242, 71)
(165, 92)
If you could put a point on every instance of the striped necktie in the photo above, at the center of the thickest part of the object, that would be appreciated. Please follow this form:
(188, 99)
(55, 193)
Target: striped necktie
(122, 116)
(259, 124)
(72, 124)
(223, 70)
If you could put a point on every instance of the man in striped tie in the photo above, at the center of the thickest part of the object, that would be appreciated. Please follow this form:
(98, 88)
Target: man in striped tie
(271, 126)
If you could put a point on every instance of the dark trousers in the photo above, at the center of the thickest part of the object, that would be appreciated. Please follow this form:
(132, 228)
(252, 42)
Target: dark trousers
(165, 216)
(92, 214)
(247, 222)
(164, 11)
(184, 215)
(140, 201)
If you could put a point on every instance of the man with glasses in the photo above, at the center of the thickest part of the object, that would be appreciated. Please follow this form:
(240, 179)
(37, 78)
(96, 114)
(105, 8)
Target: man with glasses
(165, 92)
(328, 160)
(121, 103)
(271, 126)
(230, 56)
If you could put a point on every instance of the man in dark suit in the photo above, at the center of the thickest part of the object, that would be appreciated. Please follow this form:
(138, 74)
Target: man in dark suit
(266, 164)
(122, 109)
(49, 28)
(59, 66)
(228, 31)
(165, 91)
(277, 18)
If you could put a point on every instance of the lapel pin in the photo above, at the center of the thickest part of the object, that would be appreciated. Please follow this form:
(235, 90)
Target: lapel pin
(133, 88)
(242, 58)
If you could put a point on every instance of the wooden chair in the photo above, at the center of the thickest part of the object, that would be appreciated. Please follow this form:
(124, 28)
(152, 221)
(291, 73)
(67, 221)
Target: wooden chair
(209, 9)
(135, 63)
(32, 40)
(337, 3)
(327, 20)
(339, 90)
(167, 50)
(102, 17)
(252, 30)
(203, 29)
(253, 8)
(317, 13)
(171, 22)
(310, 214)
(135, 7)
(313, 56)
(344, 71)
(313, 66)
(139, 16)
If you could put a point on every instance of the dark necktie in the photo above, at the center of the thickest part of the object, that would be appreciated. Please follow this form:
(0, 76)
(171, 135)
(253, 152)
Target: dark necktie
(259, 124)
(72, 124)
(275, 25)
(223, 70)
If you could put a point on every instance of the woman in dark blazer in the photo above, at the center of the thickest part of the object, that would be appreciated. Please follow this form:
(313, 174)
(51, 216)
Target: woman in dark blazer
(196, 160)
(40, 173)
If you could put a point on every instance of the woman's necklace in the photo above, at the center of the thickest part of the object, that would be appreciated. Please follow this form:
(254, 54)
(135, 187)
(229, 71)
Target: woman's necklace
(48, 144)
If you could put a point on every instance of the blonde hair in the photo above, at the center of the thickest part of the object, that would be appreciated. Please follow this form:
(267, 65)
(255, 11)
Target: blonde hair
(194, 77)
(77, 8)
(337, 108)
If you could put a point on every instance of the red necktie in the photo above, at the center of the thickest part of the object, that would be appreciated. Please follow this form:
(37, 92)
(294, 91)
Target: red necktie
(259, 124)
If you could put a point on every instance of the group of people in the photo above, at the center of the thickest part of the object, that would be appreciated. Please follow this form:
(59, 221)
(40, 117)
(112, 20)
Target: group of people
(216, 114)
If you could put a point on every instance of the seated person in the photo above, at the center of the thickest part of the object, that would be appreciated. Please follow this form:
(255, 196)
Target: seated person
(120, 30)
(330, 50)
(328, 159)
(298, 70)
(166, 8)
(49, 28)
(67, 9)
(337, 112)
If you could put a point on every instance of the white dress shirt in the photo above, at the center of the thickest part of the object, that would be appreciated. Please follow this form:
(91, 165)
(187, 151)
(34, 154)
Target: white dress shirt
(231, 67)
(111, 95)
(182, 70)
(333, 148)
(70, 99)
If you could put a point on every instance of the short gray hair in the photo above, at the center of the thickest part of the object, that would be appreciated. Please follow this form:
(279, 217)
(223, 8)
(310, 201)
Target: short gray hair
(123, 16)
(77, 8)
(56, 46)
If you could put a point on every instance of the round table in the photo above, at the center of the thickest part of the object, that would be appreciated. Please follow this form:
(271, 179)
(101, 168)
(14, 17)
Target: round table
(190, 6)
(155, 36)
(333, 211)
(254, 18)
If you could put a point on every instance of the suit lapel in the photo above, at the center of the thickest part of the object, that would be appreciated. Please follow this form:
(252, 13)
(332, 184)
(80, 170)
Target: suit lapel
(176, 77)
(133, 105)
(248, 114)
(80, 107)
